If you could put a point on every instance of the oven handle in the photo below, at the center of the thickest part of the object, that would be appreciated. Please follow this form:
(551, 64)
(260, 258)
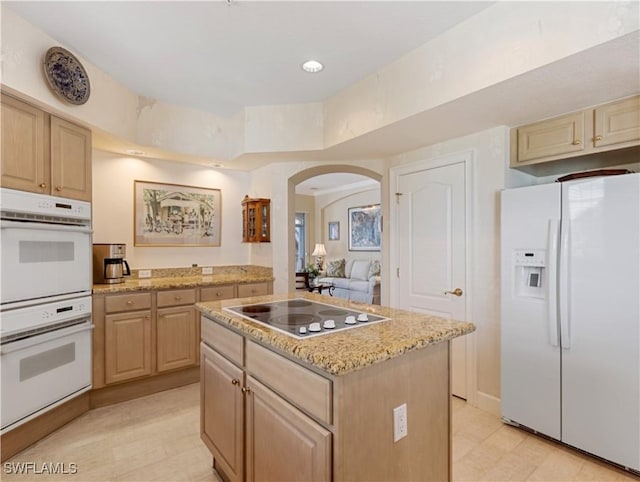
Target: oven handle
(44, 337)
(5, 224)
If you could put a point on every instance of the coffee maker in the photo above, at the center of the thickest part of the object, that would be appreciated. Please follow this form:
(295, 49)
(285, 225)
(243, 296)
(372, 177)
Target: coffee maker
(109, 263)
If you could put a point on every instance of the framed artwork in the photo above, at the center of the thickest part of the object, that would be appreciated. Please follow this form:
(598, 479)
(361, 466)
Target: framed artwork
(364, 228)
(175, 215)
(334, 231)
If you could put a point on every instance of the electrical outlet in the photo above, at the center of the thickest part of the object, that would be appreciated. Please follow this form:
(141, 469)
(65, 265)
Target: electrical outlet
(400, 426)
(144, 273)
(208, 270)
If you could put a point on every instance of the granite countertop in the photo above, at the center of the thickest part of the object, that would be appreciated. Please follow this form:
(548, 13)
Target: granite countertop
(160, 283)
(349, 350)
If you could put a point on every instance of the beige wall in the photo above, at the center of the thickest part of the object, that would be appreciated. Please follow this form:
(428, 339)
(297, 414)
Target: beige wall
(334, 207)
(113, 179)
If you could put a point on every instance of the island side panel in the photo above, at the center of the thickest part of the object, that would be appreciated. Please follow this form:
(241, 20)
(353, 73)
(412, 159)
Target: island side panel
(364, 447)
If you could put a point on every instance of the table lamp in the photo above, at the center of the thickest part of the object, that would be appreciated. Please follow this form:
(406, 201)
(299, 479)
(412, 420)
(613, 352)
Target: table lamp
(319, 252)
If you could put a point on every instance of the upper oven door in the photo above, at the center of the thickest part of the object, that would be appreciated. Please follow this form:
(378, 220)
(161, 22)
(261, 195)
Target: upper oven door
(41, 260)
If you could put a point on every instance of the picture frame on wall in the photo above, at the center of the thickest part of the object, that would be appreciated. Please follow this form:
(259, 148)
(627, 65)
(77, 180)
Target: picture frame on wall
(176, 215)
(365, 228)
(334, 231)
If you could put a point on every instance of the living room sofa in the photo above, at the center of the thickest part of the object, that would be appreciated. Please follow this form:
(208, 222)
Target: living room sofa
(354, 279)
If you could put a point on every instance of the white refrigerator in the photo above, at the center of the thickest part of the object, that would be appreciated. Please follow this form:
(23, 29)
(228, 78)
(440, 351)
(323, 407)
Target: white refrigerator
(570, 313)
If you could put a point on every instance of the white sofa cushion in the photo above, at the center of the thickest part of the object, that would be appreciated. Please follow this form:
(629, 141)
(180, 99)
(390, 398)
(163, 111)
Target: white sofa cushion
(360, 269)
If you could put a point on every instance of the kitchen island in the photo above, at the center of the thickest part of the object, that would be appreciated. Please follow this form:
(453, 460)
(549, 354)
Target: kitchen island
(276, 407)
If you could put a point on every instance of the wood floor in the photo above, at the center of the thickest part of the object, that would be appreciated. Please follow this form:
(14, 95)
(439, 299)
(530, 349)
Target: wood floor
(157, 438)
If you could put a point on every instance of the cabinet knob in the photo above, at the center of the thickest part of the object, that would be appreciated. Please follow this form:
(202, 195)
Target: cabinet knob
(58, 189)
(597, 138)
(235, 381)
(43, 185)
(576, 143)
(246, 390)
(218, 293)
(178, 298)
(129, 302)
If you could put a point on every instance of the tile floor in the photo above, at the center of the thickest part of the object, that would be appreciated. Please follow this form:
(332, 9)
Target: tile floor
(156, 438)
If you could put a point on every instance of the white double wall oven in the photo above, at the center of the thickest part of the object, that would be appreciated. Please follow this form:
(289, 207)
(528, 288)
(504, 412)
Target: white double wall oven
(45, 303)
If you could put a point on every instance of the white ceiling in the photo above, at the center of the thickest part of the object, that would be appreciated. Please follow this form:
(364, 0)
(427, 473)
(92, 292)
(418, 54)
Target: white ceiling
(220, 56)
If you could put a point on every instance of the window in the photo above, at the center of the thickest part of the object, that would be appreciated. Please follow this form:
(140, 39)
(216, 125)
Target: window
(300, 240)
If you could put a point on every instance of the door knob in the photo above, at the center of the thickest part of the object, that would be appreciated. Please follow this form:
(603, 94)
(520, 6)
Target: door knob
(456, 292)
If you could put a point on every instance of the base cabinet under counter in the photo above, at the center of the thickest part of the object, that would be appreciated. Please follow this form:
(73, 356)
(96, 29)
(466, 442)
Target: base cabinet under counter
(311, 425)
(248, 427)
(144, 334)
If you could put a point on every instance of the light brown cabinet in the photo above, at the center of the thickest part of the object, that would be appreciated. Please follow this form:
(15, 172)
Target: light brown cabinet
(127, 346)
(153, 333)
(578, 140)
(249, 427)
(300, 423)
(176, 338)
(256, 215)
(222, 417)
(277, 431)
(42, 153)
(253, 289)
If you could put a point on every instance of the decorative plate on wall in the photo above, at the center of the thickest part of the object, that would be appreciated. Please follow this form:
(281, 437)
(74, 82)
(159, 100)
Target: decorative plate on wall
(66, 76)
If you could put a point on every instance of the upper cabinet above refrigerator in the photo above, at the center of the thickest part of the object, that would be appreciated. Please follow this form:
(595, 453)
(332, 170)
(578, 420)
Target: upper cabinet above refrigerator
(600, 136)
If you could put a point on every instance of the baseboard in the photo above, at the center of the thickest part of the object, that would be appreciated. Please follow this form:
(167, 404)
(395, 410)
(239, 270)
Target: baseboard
(488, 403)
(145, 386)
(30, 432)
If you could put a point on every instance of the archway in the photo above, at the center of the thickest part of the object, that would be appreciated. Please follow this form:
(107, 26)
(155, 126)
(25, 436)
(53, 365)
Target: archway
(303, 175)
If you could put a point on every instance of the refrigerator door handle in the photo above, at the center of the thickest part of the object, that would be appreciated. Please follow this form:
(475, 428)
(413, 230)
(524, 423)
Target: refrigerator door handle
(552, 281)
(563, 291)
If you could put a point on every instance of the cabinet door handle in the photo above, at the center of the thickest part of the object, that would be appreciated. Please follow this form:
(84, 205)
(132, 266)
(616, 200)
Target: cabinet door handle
(576, 143)
(43, 185)
(58, 189)
(246, 390)
(597, 138)
(235, 381)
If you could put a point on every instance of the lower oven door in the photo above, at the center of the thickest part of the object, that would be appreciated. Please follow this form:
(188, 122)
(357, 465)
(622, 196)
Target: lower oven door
(40, 260)
(42, 371)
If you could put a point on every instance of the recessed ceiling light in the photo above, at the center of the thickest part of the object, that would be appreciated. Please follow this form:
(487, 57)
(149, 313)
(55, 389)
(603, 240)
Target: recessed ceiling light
(216, 165)
(312, 66)
(135, 152)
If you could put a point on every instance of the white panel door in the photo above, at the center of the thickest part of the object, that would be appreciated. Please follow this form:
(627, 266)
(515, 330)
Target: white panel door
(600, 287)
(432, 251)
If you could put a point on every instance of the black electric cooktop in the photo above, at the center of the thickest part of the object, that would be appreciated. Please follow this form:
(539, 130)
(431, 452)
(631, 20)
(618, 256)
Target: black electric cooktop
(303, 318)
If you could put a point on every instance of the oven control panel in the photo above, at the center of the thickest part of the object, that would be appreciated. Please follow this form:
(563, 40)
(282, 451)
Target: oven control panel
(37, 316)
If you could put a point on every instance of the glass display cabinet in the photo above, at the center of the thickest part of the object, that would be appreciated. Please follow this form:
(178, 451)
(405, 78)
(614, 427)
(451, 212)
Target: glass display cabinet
(256, 220)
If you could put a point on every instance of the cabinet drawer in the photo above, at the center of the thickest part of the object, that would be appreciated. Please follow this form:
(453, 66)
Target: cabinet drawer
(222, 339)
(301, 386)
(129, 302)
(176, 297)
(253, 289)
(213, 293)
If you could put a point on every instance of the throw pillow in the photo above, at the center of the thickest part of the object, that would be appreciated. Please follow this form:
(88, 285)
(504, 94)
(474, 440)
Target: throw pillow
(335, 268)
(360, 269)
(374, 269)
